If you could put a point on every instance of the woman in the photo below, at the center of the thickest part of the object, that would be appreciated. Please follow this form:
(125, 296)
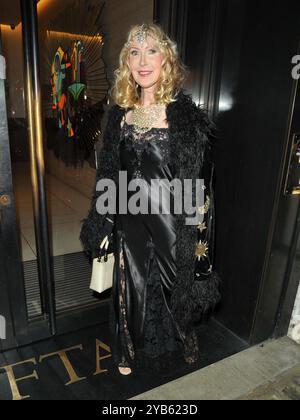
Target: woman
(163, 275)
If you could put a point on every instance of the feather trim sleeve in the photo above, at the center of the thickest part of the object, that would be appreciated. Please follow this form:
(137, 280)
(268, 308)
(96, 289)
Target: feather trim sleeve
(92, 230)
(206, 287)
(197, 292)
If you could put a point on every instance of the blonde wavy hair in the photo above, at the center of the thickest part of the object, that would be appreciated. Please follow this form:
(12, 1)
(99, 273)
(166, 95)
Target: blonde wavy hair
(126, 92)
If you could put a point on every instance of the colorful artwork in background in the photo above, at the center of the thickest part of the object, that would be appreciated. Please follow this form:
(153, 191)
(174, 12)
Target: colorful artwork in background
(74, 81)
(69, 85)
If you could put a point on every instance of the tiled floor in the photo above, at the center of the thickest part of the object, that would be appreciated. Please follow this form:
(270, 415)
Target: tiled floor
(66, 208)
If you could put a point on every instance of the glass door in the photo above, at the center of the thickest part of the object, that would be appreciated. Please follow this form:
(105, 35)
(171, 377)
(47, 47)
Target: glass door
(13, 317)
(74, 93)
(23, 209)
(56, 95)
(52, 108)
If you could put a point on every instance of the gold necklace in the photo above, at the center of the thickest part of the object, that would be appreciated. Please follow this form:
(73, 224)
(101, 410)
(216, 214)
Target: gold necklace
(144, 118)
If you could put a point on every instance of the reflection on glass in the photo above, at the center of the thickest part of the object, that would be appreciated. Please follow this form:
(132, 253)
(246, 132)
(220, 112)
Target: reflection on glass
(74, 87)
(74, 90)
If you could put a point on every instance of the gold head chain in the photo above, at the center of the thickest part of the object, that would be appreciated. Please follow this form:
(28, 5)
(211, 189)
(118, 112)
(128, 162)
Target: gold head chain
(142, 33)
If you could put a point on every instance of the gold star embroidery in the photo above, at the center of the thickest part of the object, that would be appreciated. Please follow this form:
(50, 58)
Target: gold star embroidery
(204, 209)
(202, 227)
(201, 249)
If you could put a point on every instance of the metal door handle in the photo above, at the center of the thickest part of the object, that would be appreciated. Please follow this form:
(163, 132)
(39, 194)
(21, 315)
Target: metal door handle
(5, 200)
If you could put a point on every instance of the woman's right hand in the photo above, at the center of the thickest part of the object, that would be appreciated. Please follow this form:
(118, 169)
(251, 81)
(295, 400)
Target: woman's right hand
(106, 232)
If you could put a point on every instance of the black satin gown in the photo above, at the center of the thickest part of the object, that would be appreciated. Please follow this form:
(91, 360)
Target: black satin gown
(144, 331)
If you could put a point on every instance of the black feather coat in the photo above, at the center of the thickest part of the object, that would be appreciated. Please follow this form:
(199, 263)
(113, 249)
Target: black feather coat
(197, 288)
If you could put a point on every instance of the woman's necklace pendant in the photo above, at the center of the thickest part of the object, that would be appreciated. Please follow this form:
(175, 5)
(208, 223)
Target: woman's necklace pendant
(144, 118)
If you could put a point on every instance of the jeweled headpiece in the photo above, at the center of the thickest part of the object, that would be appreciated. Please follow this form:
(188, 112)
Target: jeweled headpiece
(142, 33)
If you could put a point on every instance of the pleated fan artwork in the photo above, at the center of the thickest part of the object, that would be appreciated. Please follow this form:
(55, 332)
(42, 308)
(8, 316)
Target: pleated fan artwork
(74, 81)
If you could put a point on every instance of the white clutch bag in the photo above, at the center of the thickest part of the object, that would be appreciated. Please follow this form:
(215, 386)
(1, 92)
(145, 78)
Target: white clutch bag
(102, 273)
